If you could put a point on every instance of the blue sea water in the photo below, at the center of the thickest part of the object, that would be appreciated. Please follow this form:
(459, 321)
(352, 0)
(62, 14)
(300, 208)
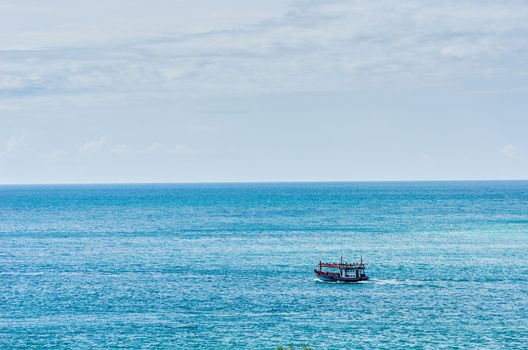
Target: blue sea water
(230, 266)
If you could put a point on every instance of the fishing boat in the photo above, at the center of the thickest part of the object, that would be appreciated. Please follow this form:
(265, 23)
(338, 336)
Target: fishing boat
(341, 271)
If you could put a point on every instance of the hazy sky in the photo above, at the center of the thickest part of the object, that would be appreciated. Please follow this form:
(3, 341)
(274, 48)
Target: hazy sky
(237, 90)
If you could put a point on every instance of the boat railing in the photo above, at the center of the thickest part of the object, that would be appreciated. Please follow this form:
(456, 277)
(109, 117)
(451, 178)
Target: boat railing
(343, 265)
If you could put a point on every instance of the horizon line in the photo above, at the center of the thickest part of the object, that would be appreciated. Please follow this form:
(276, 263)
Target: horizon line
(254, 182)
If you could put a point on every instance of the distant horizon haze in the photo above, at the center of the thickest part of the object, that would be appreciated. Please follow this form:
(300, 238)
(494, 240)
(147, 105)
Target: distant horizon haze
(278, 182)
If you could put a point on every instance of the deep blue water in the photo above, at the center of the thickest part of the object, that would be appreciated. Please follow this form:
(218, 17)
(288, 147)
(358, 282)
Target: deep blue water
(231, 265)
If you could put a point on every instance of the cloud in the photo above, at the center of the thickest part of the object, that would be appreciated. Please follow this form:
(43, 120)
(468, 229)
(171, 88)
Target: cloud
(510, 151)
(58, 154)
(283, 46)
(92, 146)
(157, 147)
(14, 145)
(119, 149)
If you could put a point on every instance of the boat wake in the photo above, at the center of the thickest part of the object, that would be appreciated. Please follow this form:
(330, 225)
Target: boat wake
(390, 282)
(395, 282)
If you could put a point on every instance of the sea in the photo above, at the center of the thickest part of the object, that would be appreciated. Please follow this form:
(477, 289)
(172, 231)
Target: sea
(231, 266)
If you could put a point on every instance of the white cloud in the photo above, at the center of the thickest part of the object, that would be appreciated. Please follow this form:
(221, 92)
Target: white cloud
(13, 145)
(157, 147)
(92, 146)
(119, 149)
(62, 23)
(277, 46)
(58, 154)
(510, 151)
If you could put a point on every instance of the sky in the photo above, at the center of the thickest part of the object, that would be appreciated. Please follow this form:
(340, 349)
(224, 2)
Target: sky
(108, 91)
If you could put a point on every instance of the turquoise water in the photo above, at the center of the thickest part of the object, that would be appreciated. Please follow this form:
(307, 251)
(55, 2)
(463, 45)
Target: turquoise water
(231, 265)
